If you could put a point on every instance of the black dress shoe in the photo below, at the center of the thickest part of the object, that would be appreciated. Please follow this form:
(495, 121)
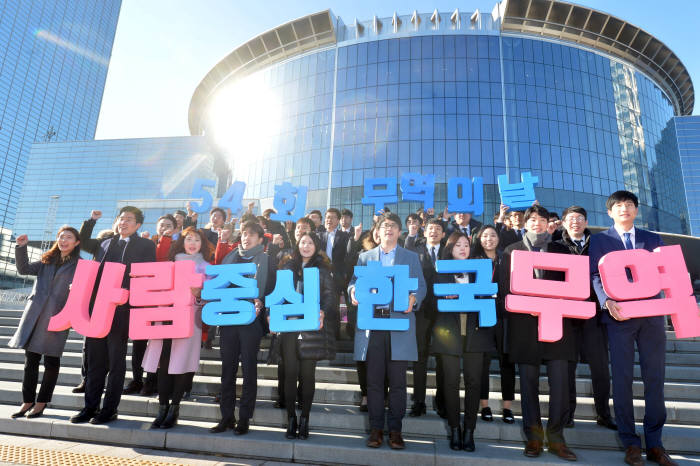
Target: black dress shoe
(455, 438)
(418, 409)
(569, 424)
(486, 414)
(606, 422)
(83, 416)
(80, 388)
(291, 428)
(242, 427)
(223, 425)
(21, 412)
(508, 417)
(104, 417)
(468, 440)
(134, 386)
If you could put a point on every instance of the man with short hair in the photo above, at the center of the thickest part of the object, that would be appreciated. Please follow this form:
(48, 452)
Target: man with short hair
(387, 352)
(462, 222)
(346, 221)
(241, 342)
(334, 242)
(217, 219)
(515, 233)
(317, 218)
(414, 231)
(591, 338)
(107, 355)
(525, 348)
(649, 334)
(428, 250)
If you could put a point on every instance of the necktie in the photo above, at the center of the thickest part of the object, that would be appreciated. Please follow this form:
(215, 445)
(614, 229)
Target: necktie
(519, 233)
(536, 249)
(432, 254)
(628, 240)
(465, 230)
(122, 244)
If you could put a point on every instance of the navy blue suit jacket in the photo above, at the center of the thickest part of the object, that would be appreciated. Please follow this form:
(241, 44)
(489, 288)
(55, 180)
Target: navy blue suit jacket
(608, 241)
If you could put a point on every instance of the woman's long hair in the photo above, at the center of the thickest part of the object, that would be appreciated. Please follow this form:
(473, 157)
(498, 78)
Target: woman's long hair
(319, 257)
(53, 255)
(207, 249)
(446, 252)
(477, 249)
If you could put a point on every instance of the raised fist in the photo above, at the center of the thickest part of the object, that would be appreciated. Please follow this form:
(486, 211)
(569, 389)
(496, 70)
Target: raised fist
(22, 240)
(96, 214)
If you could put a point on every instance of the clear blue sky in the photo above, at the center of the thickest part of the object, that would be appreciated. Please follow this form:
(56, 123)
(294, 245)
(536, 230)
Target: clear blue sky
(163, 48)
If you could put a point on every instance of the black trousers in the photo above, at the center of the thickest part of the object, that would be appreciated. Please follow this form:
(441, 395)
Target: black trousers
(239, 342)
(472, 364)
(107, 358)
(52, 365)
(507, 370)
(592, 342)
(557, 374)
(380, 365)
(352, 314)
(303, 370)
(83, 363)
(171, 387)
(138, 349)
(424, 329)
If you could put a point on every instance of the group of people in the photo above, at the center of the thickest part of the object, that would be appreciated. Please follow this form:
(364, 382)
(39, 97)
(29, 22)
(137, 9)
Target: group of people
(462, 348)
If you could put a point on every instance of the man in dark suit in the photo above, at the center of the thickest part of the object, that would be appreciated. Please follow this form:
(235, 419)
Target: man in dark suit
(464, 223)
(387, 352)
(334, 242)
(428, 250)
(648, 333)
(107, 356)
(591, 337)
(508, 236)
(525, 348)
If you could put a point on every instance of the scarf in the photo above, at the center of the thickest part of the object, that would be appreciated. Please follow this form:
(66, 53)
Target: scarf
(200, 263)
(537, 240)
(248, 254)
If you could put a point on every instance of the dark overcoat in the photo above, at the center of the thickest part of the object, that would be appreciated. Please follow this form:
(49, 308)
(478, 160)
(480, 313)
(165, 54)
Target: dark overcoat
(48, 297)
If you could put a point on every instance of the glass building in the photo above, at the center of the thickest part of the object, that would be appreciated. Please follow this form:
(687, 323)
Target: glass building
(582, 99)
(53, 65)
(67, 180)
(688, 135)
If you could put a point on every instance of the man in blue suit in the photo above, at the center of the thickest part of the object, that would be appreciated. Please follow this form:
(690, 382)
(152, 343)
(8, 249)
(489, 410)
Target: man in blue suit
(387, 352)
(649, 334)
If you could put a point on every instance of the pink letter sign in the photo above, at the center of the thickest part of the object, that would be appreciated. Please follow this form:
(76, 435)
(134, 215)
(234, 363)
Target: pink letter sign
(76, 312)
(165, 287)
(652, 272)
(550, 300)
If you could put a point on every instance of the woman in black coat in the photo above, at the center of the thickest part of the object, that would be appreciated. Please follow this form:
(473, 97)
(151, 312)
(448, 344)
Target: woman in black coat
(54, 277)
(457, 338)
(301, 350)
(485, 245)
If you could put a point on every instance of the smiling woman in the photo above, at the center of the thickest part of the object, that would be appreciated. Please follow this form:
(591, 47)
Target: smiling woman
(243, 117)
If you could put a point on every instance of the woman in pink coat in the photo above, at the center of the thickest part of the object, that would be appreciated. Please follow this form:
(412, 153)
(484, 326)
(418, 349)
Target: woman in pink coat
(177, 359)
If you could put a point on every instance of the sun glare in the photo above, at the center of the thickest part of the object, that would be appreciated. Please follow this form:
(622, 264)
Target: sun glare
(244, 117)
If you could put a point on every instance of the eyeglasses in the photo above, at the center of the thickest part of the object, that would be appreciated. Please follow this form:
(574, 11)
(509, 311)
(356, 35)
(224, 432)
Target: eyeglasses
(577, 219)
(388, 226)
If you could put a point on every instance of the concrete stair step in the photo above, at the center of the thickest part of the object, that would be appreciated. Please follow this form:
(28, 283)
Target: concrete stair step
(13, 360)
(327, 446)
(345, 397)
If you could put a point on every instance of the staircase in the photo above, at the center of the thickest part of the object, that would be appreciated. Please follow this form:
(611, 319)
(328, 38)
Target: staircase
(338, 428)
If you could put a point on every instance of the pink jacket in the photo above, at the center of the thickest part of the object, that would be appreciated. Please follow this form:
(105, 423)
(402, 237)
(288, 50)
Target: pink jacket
(184, 352)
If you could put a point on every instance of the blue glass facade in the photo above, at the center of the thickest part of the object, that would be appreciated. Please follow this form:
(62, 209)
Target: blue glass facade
(688, 136)
(155, 174)
(471, 105)
(53, 65)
